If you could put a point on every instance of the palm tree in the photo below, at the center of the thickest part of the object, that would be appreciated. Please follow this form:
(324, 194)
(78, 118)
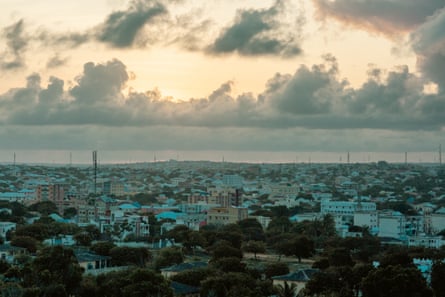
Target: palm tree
(286, 290)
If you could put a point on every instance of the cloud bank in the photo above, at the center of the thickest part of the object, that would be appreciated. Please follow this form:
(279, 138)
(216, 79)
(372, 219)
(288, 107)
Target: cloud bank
(311, 98)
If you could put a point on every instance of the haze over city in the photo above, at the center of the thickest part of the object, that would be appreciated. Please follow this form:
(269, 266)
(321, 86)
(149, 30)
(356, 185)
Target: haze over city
(278, 81)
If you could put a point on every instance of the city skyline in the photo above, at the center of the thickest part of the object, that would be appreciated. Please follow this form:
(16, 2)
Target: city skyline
(272, 80)
(125, 157)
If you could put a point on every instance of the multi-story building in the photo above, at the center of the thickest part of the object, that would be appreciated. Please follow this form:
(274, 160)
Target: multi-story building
(54, 193)
(346, 207)
(279, 191)
(112, 187)
(225, 196)
(432, 242)
(226, 215)
(392, 224)
(368, 219)
(436, 221)
(233, 180)
(50, 192)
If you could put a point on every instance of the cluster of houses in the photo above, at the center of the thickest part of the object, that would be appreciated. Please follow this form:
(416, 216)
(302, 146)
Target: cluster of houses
(199, 193)
(224, 193)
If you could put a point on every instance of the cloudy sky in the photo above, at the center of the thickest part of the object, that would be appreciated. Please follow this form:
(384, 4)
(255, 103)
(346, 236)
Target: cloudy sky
(199, 79)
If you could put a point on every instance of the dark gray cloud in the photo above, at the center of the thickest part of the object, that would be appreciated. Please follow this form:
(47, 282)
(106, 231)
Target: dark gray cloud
(258, 32)
(312, 98)
(428, 42)
(16, 42)
(385, 16)
(121, 28)
(56, 61)
(66, 40)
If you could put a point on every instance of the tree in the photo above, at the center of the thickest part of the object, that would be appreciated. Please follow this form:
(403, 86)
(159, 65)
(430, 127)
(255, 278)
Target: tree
(56, 266)
(103, 247)
(70, 212)
(286, 290)
(38, 231)
(223, 249)
(437, 278)
(396, 256)
(299, 246)
(229, 264)
(395, 281)
(168, 256)
(279, 225)
(276, 268)
(26, 242)
(340, 257)
(194, 239)
(251, 229)
(231, 284)
(133, 283)
(123, 256)
(322, 284)
(45, 208)
(254, 247)
(179, 233)
(83, 239)
(194, 277)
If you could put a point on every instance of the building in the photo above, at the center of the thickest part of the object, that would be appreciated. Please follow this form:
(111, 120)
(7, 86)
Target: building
(92, 263)
(367, 219)
(299, 278)
(8, 252)
(432, 242)
(392, 224)
(50, 192)
(233, 180)
(5, 227)
(283, 191)
(112, 187)
(170, 271)
(54, 193)
(226, 215)
(224, 197)
(346, 207)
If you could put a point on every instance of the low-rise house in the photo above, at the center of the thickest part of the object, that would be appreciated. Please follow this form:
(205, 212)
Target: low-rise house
(5, 227)
(299, 278)
(9, 253)
(92, 263)
(432, 242)
(184, 290)
(175, 269)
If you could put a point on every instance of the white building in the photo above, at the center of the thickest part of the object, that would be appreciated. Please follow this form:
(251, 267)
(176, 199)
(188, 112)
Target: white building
(5, 227)
(432, 242)
(392, 224)
(346, 207)
(436, 222)
(367, 219)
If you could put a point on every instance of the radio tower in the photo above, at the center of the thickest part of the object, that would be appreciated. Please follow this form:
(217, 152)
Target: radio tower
(95, 170)
(440, 154)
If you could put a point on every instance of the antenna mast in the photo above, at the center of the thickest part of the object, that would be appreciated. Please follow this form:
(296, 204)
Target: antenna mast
(95, 170)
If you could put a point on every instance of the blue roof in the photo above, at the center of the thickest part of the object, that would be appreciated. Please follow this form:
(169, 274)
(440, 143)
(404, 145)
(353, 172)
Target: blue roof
(169, 215)
(302, 275)
(128, 206)
(58, 218)
(183, 289)
(185, 266)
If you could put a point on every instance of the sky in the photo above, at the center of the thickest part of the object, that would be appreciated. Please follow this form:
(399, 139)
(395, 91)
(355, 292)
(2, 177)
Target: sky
(246, 80)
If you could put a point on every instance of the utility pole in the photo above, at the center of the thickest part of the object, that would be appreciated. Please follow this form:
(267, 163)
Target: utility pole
(95, 170)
